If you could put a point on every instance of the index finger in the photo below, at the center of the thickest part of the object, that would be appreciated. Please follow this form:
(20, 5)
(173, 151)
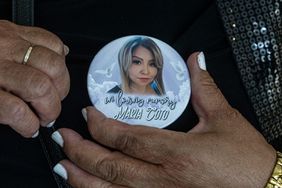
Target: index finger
(80, 178)
(146, 143)
(112, 166)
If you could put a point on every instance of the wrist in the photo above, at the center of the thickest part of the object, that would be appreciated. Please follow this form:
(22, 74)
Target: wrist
(275, 181)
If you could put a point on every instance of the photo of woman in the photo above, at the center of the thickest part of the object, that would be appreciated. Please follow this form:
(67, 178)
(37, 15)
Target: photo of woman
(141, 65)
(139, 80)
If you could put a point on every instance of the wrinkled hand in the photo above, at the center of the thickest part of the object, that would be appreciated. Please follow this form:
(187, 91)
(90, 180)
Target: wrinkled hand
(31, 94)
(223, 150)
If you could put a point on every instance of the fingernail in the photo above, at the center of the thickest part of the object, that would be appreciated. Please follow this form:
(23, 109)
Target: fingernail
(61, 171)
(84, 113)
(201, 61)
(50, 124)
(35, 134)
(57, 137)
(66, 49)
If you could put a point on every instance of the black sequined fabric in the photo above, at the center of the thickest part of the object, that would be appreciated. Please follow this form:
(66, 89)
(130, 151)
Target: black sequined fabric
(254, 31)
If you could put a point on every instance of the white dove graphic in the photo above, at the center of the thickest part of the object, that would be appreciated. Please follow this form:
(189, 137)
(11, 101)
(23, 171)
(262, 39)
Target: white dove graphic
(178, 67)
(108, 72)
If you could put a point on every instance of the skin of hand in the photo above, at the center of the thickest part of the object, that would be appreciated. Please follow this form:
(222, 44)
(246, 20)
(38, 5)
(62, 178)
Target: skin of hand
(31, 94)
(222, 150)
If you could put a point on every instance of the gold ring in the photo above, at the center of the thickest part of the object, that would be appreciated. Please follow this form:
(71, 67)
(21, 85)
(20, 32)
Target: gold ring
(27, 55)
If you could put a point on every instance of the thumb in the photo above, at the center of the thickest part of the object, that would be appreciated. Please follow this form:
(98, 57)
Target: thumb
(207, 99)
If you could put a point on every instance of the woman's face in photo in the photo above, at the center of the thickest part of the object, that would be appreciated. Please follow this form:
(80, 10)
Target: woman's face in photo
(142, 70)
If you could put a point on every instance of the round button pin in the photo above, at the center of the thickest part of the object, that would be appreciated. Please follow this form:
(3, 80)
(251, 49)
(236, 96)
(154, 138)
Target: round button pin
(139, 80)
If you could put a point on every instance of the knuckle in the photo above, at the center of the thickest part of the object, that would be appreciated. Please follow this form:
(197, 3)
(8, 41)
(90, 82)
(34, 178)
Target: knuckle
(17, 110)
(41, 85)
(127, 143)
(75, 152)
(75, 149)
(56, 66)
(109, 170)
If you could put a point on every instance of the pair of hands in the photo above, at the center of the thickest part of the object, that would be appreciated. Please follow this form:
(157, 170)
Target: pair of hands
(31, 94)
(223, 150)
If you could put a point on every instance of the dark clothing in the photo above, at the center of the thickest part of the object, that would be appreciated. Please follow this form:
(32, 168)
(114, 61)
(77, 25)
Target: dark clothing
(86, 26)
(115, 89)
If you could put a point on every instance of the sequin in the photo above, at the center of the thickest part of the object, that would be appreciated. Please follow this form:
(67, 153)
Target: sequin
(263, 30)
(255, 34)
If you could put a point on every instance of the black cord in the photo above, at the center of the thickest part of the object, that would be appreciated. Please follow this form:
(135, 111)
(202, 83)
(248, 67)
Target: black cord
(23, 12)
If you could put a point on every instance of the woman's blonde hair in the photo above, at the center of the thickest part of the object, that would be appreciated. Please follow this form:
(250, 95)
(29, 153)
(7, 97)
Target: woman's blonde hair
(125, 60)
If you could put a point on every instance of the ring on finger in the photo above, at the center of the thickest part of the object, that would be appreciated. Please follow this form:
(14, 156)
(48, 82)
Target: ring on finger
(27, 55)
